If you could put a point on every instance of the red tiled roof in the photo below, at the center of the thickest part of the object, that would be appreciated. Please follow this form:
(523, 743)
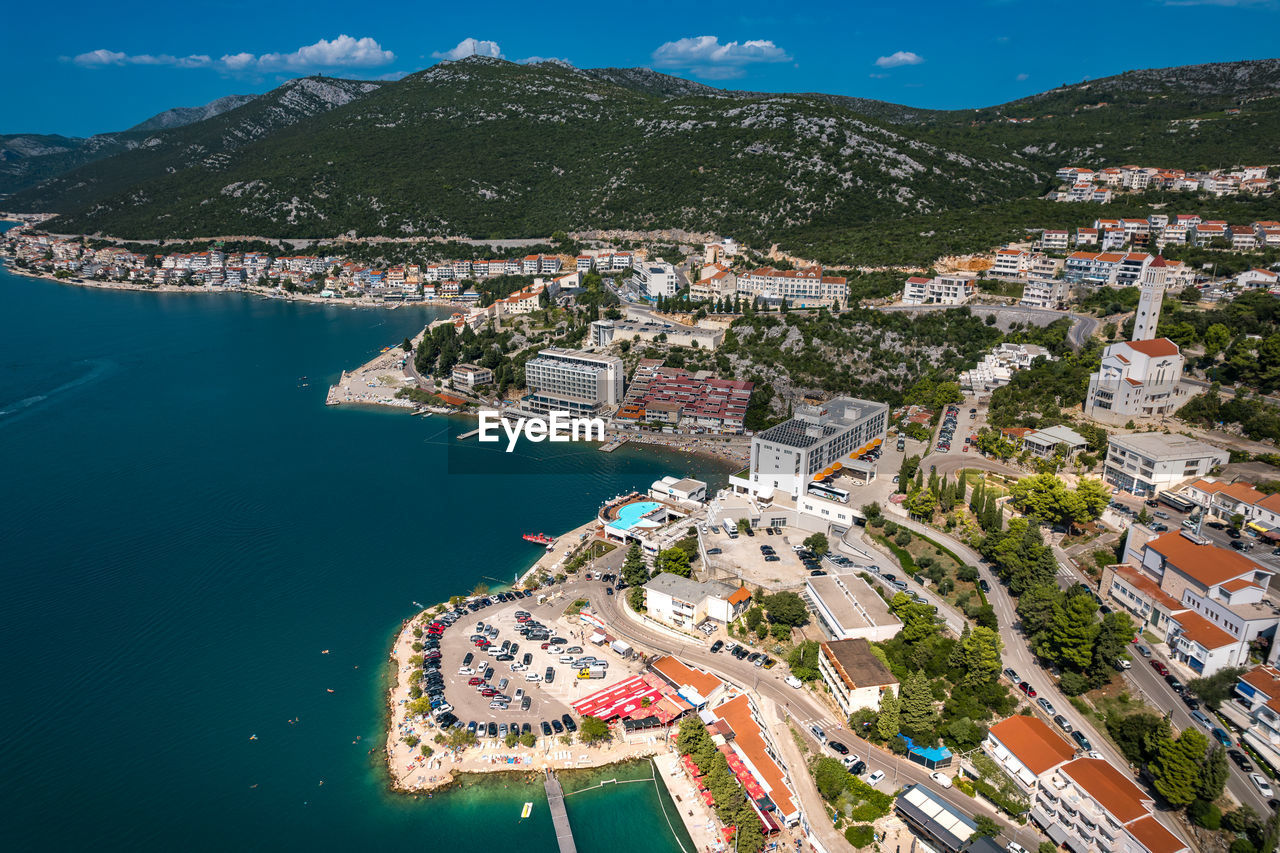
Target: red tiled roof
(1238, 584)
(679, 674)
(1267, 680)
(1148, 587)
(1151, 834)
(1200, 630)
(740, 595)
(747, 738)
(1208, 565)
(1155, 348)
(1112, 790)
(1032, 742)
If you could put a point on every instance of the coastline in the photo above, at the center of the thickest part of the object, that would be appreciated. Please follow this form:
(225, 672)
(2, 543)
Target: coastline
(247, 290)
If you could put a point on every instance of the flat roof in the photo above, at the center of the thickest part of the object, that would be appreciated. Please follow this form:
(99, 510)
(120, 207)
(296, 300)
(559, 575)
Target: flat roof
(936, 816)
(1159, 446)
(687, 589)
(838, 593)
(856, 664)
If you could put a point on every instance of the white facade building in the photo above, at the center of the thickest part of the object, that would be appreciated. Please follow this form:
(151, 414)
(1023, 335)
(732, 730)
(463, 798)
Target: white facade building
(1148, 463)
(788, 456)
(580, 383)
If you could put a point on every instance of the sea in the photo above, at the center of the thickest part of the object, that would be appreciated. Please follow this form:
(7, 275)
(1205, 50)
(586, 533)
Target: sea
(185, 527)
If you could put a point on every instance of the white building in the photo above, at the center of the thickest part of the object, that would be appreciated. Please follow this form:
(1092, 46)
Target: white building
(848, 608)
(1147, 463)
(1027, 749)
(1257, 700)
(471, 375)
(787, 457)
(658, 278)
(947, 289)
(998, 366)
(686, 603)
(580, 383)
(1089, 806)
(1046, 293)
(798, 288)
(855, 676)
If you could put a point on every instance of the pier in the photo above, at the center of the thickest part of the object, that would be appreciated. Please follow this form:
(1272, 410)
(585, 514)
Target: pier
(559, 815)
(466, 435)
(613, 445)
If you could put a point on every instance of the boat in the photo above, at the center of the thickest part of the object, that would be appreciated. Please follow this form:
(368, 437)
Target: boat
(540, 539)
(526, 811)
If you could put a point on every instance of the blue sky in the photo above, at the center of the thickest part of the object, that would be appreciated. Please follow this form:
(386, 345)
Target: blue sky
(92, 67)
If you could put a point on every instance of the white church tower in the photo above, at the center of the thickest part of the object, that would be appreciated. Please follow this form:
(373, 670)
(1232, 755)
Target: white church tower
(1154, 279)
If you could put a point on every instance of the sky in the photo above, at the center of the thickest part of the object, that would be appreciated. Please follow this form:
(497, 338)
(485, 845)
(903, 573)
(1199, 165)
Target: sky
(81, 68)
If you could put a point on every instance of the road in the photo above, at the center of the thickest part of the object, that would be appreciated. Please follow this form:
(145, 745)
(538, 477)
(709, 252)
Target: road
(804, 710)
(1082, 327)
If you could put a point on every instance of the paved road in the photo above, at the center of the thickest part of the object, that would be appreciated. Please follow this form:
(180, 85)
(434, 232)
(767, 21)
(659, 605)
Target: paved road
(1082, 327)
(804, 709)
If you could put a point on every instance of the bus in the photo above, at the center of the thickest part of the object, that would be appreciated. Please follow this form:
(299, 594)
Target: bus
(828, 492)
(1176, 502)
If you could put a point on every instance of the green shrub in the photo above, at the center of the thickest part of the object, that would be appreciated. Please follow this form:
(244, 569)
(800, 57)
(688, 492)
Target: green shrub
(1204, 813)
(860, 835)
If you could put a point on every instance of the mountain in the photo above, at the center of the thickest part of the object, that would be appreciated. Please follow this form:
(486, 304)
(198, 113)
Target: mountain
(179, 116)
(487, 148)
(104, 165)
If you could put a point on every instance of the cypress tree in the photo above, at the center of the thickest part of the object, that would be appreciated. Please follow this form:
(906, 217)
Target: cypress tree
(960, 484)
(887, 723)
(976, 502)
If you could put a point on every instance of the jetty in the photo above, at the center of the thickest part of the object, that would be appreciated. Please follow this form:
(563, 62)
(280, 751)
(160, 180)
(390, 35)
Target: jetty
(559, 815)
(466, 435)
(613, 445)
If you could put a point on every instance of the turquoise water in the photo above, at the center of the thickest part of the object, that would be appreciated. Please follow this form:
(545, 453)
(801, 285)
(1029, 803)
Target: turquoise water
(631, 514)
(184, 529)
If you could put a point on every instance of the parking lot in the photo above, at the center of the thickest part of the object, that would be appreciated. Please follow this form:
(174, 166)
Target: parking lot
(530, 681)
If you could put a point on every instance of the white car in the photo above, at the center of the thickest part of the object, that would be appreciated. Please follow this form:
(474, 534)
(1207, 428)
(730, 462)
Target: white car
(466, 670)
(1015, 847)
(875, 778)
(1260, 782)
(941, 778)
(792, 681)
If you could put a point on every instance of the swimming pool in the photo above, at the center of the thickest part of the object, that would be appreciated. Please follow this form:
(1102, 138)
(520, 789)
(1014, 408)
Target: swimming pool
(630, 515)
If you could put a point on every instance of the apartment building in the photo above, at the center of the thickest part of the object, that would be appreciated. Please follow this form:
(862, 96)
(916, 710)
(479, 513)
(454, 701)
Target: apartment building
(715, 281)
(1089, 806)
(1046, 293)
(605, 332)
(998, 366)
(1054, 240)
(1147, 463)
(471, 375)
(848, 608)
(788, 456)
(798, 288)
(580, 383)
(680, 398)
(1027, 749)
(946, 289)
(855, 676)
(657, 278)
(1011, 263)
(1257, 700)
(686, 603)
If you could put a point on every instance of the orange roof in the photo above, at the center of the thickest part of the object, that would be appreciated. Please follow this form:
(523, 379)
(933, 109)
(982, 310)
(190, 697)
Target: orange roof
(1032, 742)
(748, 739)
(1267, 680)
(679, 674)
(1242, 492)
(740, 595)
(1238, 584)
(1271, 502)
(1151, 834)
(1109, 787)
(1208, 565)
(1148, 587)
(1155, 348)
(1200, 630)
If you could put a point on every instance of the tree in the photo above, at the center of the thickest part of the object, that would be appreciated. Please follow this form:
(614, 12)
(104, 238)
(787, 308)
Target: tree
(528, 739)
(593, 730)
(887, 723)
(786, 608)
(917, 715)
(675, 561)
(803, 661)
(817, 543)
(1072, 633)
(1217, 688)
(1176, 768)
(1138, 735)
(692, 735)
(1213, 774)
(634, 571)
(1114, 636)
(981, 657)
(755, 615)
(986, 826)
(461, 737)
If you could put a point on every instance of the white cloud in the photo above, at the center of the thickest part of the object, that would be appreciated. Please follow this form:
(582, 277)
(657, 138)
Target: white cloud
(705, 56)
(99, 58)
(342, 52)
(1022, 76)
(470, 47)
(533, 60)
(901, 57)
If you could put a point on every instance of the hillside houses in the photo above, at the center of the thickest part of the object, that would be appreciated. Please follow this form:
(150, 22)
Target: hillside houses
(1081, 184)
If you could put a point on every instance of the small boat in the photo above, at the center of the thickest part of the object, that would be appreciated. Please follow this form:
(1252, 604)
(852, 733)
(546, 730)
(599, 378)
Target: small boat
(330, 690)
(325, 652)
(526, 811)
(540, 539)
(253, 737)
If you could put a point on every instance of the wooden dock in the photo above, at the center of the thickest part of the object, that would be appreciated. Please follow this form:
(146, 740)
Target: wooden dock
(559, 815)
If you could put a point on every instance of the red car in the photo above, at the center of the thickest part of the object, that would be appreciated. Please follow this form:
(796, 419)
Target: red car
(488, 691)
(1159, 667)
(1027, 689)
(545, 646)
(965, 448)
(474, 682)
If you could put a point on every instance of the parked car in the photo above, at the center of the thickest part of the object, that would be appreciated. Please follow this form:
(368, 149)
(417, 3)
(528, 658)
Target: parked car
(1027, 689)
(875, 778)
(1260, 782)
(1202, 718)
(1081, 741)
(794, 682)
(1012, 675)
(1046, 705)
(1064, 724)
(717, 646)
(837, 746)
(941, 778)
(1159, 667)
(1222, 737)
